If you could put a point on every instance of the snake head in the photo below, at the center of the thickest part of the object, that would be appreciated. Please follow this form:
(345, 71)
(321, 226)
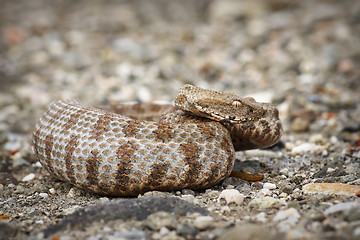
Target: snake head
(219, 106)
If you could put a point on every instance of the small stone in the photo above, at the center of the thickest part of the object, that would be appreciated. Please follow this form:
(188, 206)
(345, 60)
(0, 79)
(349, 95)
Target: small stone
(284, 171)
(7, 179)
(188, 198)
(203, 222)
(304, 148)
(261, 217)
(300, 125)
(352, 214)
(331, 189)
(188, 192)
(269, 186)
(186, 230)
(104, 199)
(231, 196)
(249, 232)
(263, 203)
(318, 216)
(136, 234)
(264, 192)
(44, 195)
(52, 191)
(357, 231)
(28, 177)
(340, 207)
(71, 210)
(161, 219)
(290, 215)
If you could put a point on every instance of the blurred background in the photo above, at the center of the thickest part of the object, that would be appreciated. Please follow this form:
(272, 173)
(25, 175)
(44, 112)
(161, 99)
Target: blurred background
(304, 56)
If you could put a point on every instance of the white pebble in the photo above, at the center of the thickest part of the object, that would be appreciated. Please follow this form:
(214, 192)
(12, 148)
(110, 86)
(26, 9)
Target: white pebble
(231, 196)
(290, 215)
(44, 195)
(52, 190)
(341, 207)
(38, 164)
(284, 171)
(29, 177)
(264, 202)
(41, 222)
(203, 222)
(264, 192)
(357, 231)
(303, 148)
(104, 199)
(269, 186)
(261, 217)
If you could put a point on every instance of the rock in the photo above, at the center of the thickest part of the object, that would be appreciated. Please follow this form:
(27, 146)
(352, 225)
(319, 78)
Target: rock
(8, 231)
(44, 195)
(231, 196)
(331, 189)
(269, 186)
(52, 191)
(340, 207)
(161, 219)
(304, 148)
(131, 235)
(186, 230)
(137, 208)
(28, 177)
(249, 232)
(290, 215)
(261, 217)
(7, 178)
(203, 222)
(352, 214)
(263, 203)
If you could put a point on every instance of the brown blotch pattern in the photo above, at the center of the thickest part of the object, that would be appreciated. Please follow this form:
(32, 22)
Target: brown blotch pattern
(69, 161)
(158, 172)
(92, 167)
(191, 153)
(164, 133)
(101, 126)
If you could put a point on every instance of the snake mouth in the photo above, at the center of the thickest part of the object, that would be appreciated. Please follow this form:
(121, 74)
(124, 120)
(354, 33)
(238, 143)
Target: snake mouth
(213, 115)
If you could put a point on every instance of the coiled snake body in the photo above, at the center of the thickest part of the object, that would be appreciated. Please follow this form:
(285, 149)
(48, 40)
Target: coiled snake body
(192, 145)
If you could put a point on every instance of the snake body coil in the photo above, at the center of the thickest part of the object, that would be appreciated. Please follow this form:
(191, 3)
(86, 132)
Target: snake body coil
(192, 146)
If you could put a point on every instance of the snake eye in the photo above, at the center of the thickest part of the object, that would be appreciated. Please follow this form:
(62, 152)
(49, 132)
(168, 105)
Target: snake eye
(236, 104)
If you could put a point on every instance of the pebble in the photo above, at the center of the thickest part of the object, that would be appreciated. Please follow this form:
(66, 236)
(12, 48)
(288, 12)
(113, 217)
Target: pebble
(269, 186)
(131, 235)
(290, 215)
(161, 219)
(231, 196)
(304, 148)
(261, 217)
(203, 222)
(52, 191)
(264, 203)
(331, 189)
(186, 230)
(71, 209)
(264, 192)
(44, 195)
(248, 232)
(28, 177)
(341, 207)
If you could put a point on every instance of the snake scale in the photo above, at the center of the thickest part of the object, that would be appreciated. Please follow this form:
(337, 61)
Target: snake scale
(192, 145)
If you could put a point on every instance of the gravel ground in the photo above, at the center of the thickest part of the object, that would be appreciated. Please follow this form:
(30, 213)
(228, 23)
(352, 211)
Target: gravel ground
(304, 56)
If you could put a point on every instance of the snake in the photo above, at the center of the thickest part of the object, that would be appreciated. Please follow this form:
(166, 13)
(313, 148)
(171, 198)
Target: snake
(128, 149)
